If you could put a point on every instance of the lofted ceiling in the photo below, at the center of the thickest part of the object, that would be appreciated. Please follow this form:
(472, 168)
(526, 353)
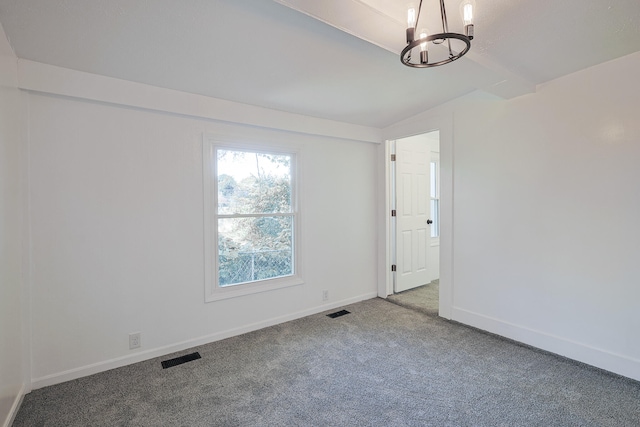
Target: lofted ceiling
(334, 59)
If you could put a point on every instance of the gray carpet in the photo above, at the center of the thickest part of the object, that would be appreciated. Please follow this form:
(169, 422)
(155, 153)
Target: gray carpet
(424, 299)
(381, 365)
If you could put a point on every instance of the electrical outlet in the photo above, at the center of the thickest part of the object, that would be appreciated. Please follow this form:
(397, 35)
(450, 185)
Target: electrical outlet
(134, 340)
(325, 295)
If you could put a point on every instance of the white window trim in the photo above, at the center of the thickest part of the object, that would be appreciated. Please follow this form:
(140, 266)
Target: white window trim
(213, 292)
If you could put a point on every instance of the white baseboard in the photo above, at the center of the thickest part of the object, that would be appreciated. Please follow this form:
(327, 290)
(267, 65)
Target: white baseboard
(15, 407)
(603, 359)
(118, 362)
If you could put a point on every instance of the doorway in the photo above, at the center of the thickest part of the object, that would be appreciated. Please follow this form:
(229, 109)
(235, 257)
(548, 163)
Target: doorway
(415, 221)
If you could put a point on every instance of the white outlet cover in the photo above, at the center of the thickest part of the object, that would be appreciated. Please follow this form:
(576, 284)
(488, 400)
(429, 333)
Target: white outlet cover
(134, 340)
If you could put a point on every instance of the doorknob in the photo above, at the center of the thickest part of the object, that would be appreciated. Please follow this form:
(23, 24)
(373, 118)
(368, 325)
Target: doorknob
(429, 221)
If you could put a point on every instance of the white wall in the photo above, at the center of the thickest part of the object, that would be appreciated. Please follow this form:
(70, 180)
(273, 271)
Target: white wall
(117, 233)
(545, 202)
(12, 381)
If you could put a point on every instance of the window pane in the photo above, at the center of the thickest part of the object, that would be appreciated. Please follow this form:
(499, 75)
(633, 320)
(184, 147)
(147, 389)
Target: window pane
(435, 214)
(434, 180)
(252, 249)
(253, 182)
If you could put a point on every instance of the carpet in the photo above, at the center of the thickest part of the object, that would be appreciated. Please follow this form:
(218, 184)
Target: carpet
(379, 365)
(424, 299)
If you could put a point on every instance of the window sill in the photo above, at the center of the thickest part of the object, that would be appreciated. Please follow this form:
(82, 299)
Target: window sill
(233, 291)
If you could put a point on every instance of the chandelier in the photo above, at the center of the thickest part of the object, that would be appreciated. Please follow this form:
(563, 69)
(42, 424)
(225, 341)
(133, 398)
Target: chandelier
(451, 45)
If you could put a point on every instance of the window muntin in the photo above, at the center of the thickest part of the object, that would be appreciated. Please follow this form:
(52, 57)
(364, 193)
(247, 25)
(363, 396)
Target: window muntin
(251, 220)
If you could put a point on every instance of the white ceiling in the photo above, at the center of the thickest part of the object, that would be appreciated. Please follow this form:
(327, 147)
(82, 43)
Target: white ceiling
(335, 59)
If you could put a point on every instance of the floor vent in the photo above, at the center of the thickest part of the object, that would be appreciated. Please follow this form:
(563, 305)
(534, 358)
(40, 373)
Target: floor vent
(338, 314)
(180, 360)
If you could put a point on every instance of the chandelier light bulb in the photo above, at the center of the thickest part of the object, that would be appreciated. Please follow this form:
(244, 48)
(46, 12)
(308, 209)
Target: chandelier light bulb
(411, 17)
(467, 14)
(424, 47)
(423, 38)
(411, 23)
(467, 10)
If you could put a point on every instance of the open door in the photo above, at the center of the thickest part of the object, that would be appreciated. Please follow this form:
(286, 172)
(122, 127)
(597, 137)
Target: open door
(413, 216)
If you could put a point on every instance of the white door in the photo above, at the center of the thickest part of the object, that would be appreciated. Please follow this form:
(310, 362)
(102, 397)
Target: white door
(413, 234)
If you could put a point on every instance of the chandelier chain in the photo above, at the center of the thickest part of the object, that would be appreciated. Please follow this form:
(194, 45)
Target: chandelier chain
(445, 25)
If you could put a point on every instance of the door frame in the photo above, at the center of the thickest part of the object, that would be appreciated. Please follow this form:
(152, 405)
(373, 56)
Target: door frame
(443, 124)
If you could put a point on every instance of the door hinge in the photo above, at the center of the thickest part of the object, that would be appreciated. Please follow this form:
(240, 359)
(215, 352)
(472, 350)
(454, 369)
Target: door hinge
(393, 212)
(393, 267)
(393, 157)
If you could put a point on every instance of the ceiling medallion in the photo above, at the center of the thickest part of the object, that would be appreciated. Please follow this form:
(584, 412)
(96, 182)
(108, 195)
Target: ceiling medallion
(455, 44)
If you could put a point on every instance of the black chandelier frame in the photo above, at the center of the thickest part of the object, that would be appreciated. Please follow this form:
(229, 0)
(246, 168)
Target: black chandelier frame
(440, 38)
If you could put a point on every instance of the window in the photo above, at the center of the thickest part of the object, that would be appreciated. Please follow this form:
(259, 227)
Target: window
(251, 220)
(435, 195)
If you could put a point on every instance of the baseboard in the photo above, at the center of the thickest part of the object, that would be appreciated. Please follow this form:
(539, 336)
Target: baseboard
(15, 407)
(599, 358)
(118, 362)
